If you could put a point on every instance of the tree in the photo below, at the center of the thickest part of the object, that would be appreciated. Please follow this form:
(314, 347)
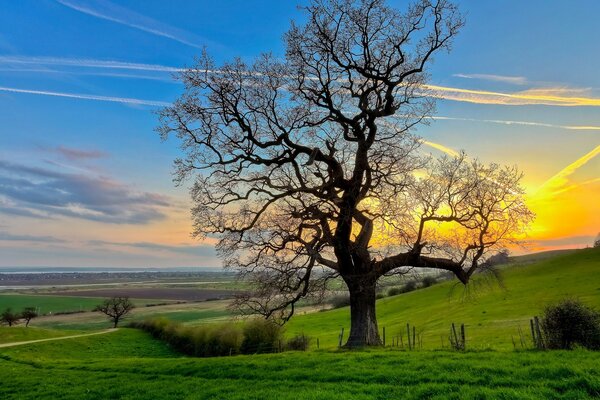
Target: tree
(8, 317)
(116, 308)
(306, 168)
(28, 314)
(597, 241)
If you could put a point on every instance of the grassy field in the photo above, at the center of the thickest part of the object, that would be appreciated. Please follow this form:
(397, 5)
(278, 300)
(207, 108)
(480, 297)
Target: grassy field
(22, 334)
(128, 364)
(491, 314)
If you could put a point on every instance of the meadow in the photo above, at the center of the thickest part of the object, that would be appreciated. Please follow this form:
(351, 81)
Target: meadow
(129, 364)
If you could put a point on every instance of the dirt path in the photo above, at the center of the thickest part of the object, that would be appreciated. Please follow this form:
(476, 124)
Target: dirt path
(58, 338)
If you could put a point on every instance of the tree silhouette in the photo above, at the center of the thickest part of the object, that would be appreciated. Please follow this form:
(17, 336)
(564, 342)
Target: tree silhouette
(116, 308)
(8, 317)
(306, 169)
(28, 314)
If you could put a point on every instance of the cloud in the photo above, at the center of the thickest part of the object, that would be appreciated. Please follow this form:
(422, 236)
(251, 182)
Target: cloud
(5, 236)
(123, 100)
(566, 241)
(73, 154)
(35, 192)
(441, 148)
(87, 63)
(561, 178)
(562, 97)
(202, 250)
(515, 80)
(121, 15)
(524, 123)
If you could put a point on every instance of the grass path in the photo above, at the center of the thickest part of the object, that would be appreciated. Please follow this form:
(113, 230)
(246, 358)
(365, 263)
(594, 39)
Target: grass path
(57, 338)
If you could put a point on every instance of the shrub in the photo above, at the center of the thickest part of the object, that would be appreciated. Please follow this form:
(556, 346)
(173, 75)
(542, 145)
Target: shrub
(428, 281)
(339, 301)
(571, 323)
(260, 336)
(396, 290)
(298, 342)
(380, 295)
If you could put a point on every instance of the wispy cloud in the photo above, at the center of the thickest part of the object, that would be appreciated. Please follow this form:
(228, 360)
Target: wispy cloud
(562, 97)
(33, 191)
(441, 148)
(123, 100)
(121, 15)
(5, 236)
(524, 123)
(86, 63)
(558, 181)
(515, 80)
(202, 250)
(74, 154)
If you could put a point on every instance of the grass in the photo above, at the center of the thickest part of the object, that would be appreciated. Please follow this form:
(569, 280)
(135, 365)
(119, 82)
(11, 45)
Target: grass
(491, 314)
(128, 364)
(23, 334)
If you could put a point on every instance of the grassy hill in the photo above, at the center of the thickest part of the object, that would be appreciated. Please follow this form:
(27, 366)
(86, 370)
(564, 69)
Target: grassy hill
(491, 313)
(128, 364)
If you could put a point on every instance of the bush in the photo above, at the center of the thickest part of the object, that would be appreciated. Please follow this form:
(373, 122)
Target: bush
(199, 341)
(408, 287)
(260, 336)
(339, 301)
(571, 323)
(298, 342)
(428, 281)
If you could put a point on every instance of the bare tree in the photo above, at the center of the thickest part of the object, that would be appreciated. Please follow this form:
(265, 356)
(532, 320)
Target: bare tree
(116, 308)
(8, 317)
(28, 314)
(305, 168)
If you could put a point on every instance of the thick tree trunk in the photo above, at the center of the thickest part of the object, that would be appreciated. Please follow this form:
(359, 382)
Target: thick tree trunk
(363, 320)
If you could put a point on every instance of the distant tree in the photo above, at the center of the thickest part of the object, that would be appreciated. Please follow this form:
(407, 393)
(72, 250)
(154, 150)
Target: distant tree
(428, 281)
(597, 242)
(28, 314)
(116, 308)
(8, 317)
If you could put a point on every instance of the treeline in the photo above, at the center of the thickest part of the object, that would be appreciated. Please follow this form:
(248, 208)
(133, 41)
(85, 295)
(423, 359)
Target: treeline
(254, 336)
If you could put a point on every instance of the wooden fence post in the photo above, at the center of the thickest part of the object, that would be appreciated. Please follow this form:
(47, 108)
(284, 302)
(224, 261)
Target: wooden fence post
(408, 335)
(462, 336)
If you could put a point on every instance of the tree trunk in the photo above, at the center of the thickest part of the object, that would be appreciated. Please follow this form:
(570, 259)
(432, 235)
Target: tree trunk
(363, 320)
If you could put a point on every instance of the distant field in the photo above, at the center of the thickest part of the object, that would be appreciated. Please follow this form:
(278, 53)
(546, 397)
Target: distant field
(47, 304)
(128, 364)
(183, 294)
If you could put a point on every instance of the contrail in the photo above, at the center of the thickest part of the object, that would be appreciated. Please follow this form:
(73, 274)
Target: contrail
(121, 15)
(123, 100)
(524, 123)
(560, 179)
(88, 63)
(527, 97)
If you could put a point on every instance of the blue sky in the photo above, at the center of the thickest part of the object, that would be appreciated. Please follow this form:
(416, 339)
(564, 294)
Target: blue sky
(85, 181)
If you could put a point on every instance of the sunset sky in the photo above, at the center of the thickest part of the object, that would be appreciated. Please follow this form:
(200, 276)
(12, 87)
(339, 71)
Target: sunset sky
(85, 181)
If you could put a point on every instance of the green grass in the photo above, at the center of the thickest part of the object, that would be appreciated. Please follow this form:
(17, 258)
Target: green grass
(491, 314)
(23, 334)
(128, 364)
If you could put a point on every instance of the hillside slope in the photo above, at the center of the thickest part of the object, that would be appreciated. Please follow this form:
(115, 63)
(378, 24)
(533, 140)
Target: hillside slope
(492, 314)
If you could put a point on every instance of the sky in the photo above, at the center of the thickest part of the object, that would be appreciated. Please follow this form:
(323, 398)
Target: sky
(86, 182)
